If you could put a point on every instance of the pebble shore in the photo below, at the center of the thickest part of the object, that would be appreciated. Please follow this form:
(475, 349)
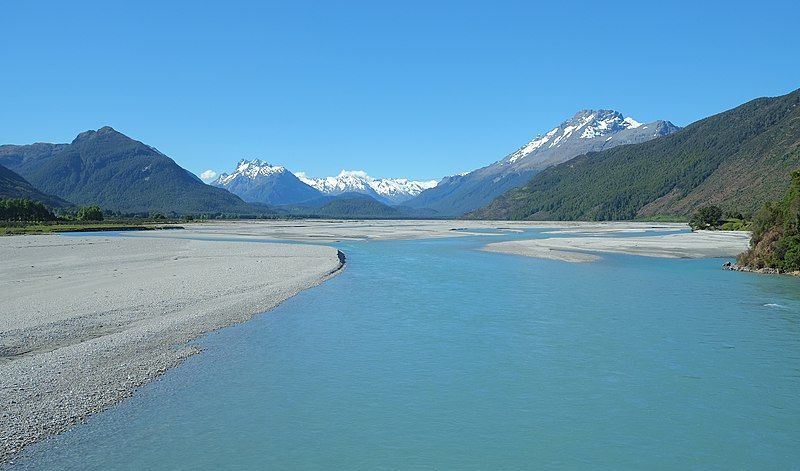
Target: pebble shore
(87, 320)
(763, 271)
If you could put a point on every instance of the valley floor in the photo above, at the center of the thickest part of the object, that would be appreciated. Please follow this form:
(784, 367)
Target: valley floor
(335, 230)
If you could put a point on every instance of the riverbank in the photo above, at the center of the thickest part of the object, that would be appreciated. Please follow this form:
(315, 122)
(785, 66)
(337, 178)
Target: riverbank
(700, 244)
(87, 320)
(762, 271)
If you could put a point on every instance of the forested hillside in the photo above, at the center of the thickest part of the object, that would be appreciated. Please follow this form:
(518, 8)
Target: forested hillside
(13, 186)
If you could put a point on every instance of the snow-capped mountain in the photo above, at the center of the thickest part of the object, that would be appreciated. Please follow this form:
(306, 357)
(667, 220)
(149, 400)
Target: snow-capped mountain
(389, 190)
(256, 181)
(348, 181)
(397, 190)
(587, 131)
(249, 170)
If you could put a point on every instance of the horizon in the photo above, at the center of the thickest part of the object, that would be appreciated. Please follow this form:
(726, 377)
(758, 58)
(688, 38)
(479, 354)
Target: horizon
(319, 89)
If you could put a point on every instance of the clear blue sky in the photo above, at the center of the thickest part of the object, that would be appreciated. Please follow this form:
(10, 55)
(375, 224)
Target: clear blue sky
(399, 89)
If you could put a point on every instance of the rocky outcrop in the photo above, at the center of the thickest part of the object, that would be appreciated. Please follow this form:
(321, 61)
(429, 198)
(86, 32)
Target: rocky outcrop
(765, 271)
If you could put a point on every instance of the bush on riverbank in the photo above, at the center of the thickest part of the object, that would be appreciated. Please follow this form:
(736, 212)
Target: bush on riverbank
(712, 218)
(776, 233)
(706, 217)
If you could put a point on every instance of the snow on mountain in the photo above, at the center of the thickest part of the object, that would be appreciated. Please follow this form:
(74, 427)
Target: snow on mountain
(587, 131)
(398, 190)
(586, 124)
(257, 181)
(348, 181)
(250, 169)
(391, 190)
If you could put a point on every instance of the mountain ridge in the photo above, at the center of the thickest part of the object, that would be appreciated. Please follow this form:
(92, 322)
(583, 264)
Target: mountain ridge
(387, 190)
(736, 159)
(586, 130)
(257, 181)
(108, 168)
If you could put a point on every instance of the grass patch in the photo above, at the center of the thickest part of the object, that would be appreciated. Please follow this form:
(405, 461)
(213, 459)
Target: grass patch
(14, 228)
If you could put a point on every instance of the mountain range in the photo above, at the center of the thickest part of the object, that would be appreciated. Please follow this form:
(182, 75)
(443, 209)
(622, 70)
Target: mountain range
(597, 165)
(386, 190)
(586, 131)
(738, 160)
(256, 181)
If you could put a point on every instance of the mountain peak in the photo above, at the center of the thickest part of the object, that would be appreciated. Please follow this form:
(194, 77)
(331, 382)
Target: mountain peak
(253, 162)
(597, 114)
(104, 131)
(250, 169)
(585, 124)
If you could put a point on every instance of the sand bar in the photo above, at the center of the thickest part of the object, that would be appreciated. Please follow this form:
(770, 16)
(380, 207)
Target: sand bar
(335, 230)
(86, 320)
(700, 244)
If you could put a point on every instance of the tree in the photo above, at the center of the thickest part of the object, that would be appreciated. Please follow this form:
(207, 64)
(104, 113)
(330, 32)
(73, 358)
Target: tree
(706, 217)
(18, 209)
(90, 213)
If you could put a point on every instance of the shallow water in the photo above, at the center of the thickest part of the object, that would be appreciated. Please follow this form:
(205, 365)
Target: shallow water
(430, 354)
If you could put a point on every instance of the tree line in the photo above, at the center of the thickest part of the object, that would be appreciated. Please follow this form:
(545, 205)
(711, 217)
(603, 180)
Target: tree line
(19, 209)
(25, 210)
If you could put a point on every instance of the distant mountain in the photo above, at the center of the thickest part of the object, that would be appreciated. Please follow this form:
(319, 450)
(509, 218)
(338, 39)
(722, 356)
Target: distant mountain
(14, 186)
(107, 168)
(588, 130)
(353, 205)
(738, 160)
(357, 206)
(259, 182)
(387, 190)
(400, 190)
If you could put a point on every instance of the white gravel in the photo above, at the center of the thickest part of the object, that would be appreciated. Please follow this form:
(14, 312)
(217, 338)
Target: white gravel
(334, 230)
(84, 321)
(701, 244)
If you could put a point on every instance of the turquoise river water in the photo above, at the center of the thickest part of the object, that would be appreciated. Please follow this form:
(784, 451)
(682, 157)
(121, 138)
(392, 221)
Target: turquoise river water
(430, 354)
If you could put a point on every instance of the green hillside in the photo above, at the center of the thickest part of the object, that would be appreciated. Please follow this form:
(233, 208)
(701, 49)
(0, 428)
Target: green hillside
(776, 234)
(107, 168)
(738, 160)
